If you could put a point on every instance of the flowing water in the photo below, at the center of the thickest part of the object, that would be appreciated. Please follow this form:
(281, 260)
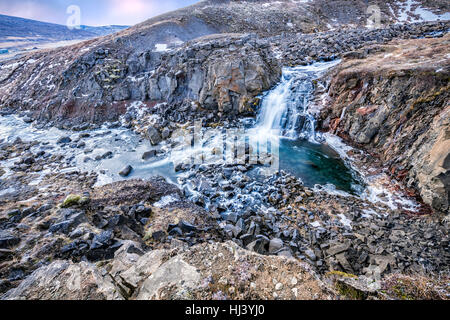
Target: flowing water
(285, 114)
(285, 109)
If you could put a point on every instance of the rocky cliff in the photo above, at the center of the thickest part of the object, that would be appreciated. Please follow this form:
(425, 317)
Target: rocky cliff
(394, 102)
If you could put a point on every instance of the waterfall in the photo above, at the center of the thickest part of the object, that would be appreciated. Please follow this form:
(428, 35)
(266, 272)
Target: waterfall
(284, 109)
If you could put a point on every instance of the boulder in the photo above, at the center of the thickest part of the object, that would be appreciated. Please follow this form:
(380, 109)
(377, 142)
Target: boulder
(64, 280)
(153, 135)
(149, 154)
(275, 245)
(8, 239)
(175, 273)
(125, 172)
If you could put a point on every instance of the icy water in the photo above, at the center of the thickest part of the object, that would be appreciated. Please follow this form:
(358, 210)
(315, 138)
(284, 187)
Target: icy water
(318, 164)
(126, 148)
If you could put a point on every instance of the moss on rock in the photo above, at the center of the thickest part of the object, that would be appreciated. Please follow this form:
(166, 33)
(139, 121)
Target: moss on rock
(71, 200)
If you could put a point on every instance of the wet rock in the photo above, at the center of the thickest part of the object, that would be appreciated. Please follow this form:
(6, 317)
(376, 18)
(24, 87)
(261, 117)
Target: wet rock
(29, 160)
(27, 119)
(81, 145)
(64, 140)
(149, 154)
(153, 135)
(165, 134)
(125, 172)
(106, 155)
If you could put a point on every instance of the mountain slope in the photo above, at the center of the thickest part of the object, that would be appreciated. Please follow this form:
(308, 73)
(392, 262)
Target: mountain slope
(15, 27)
(19, 36)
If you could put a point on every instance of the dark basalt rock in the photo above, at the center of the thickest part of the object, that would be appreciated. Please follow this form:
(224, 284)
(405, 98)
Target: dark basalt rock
(153, 135)
(8, 239)
(125, 172)
(158, 235)
(186, 226)
(64, 140)
(149, 154)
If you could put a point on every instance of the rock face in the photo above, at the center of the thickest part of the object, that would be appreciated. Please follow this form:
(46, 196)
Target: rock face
(218, 74)
(395, 104)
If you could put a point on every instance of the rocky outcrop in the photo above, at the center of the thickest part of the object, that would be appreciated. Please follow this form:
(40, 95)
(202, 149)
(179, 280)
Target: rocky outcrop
(209, 271)
(395, 104)
(64, 280)
(221, 74)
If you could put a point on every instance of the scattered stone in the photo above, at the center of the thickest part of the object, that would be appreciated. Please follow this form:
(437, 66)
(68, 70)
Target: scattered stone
(126, 171)
(149, 154)
(64, 140)
(153, 135)
(275, 245)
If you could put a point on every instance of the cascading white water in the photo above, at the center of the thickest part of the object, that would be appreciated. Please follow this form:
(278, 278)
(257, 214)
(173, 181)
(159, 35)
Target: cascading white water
(284, 110)
(275, 105)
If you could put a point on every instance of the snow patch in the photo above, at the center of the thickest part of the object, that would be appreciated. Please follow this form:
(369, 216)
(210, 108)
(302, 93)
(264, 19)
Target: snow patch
(161, 47)
(345, 221)
(406, 13)
(166, 200)
(315, 224)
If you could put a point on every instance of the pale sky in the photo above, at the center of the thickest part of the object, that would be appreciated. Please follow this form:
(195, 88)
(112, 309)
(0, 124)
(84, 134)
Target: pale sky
(93, 12)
